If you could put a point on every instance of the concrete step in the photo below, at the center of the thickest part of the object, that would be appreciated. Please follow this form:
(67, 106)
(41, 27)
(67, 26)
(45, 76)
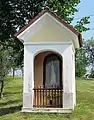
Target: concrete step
(46, 110)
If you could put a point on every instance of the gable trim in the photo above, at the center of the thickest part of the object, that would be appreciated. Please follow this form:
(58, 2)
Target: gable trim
(47, 43)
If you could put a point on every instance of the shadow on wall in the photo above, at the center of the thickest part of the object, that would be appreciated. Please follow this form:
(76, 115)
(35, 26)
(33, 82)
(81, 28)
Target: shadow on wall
(4, 111)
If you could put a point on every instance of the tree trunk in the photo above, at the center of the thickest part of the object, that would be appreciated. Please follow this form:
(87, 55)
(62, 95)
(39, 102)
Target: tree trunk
(22, 73)
(2, 86)
(13, 72)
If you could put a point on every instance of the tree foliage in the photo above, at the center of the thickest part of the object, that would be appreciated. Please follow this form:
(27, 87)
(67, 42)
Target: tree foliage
(81, 25)
(14, 14)
(85, 58)
(4, 62)
(80, 62)
(89, 48)
(80, 55)
(4, 67)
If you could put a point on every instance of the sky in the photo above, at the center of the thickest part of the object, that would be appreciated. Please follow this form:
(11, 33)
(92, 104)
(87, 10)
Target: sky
(86, 8)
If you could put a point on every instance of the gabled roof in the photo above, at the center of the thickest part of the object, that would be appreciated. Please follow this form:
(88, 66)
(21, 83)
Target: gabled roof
(57, 18)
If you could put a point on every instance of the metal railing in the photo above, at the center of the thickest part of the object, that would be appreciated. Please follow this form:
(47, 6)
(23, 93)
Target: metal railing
(48, 97)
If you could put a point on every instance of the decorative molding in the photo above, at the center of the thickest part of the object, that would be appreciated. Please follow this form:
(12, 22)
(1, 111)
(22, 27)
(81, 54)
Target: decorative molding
(47, 43)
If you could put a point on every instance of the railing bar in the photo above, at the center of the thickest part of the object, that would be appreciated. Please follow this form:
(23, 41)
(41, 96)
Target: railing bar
(35, 96)
(52, 98)
(43, 97)
(49, 96)
(61, 98)
(40, 94)
(58, 97)
(46, 97)
(55, 96)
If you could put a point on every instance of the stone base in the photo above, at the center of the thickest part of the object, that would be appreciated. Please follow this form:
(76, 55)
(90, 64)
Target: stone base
(46, 110)
(27, 100)
(68, 101)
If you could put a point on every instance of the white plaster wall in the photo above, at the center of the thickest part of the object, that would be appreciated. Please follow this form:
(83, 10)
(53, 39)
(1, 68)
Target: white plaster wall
(67, 69)
(53, 33)
(28, 84)
(68, 79)
(48, 29)
(28, 69)
(30, 51)
(73, 76)
(32, 29)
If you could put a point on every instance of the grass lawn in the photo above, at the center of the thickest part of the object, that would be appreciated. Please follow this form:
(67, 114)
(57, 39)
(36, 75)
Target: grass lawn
(10, 105)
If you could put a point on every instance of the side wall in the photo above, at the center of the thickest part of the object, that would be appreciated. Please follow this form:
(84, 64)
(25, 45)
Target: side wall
(73, 77)
(69, 79)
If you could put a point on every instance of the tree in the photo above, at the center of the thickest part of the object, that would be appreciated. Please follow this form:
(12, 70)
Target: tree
(81, 24)
(80, 62)
(8, 59)
(4, 62)
(89, 48)
(4, 67)
(80, 55)
(14, 14)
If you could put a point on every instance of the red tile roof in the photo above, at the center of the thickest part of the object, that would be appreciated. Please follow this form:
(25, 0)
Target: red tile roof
(57, 18)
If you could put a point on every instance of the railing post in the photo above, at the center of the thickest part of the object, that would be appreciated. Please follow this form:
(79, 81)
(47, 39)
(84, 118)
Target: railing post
(40, 95)
(43, 97)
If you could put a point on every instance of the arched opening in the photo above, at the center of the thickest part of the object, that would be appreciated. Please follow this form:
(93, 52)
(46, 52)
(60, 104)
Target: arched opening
(38, 68)
(48, 89)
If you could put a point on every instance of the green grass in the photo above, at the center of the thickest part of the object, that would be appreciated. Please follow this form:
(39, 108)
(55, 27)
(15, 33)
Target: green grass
(10, 105)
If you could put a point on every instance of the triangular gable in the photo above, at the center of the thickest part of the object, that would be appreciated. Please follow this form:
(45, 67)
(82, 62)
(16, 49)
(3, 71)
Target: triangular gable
(57, 18)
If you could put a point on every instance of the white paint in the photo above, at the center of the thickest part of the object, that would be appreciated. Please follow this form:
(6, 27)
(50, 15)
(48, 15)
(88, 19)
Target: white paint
(35, 26)
(74, 39)
(69, 78)
(65, 50)
(28, 84)
(47, 43)
(41, 27)
(48, 34)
